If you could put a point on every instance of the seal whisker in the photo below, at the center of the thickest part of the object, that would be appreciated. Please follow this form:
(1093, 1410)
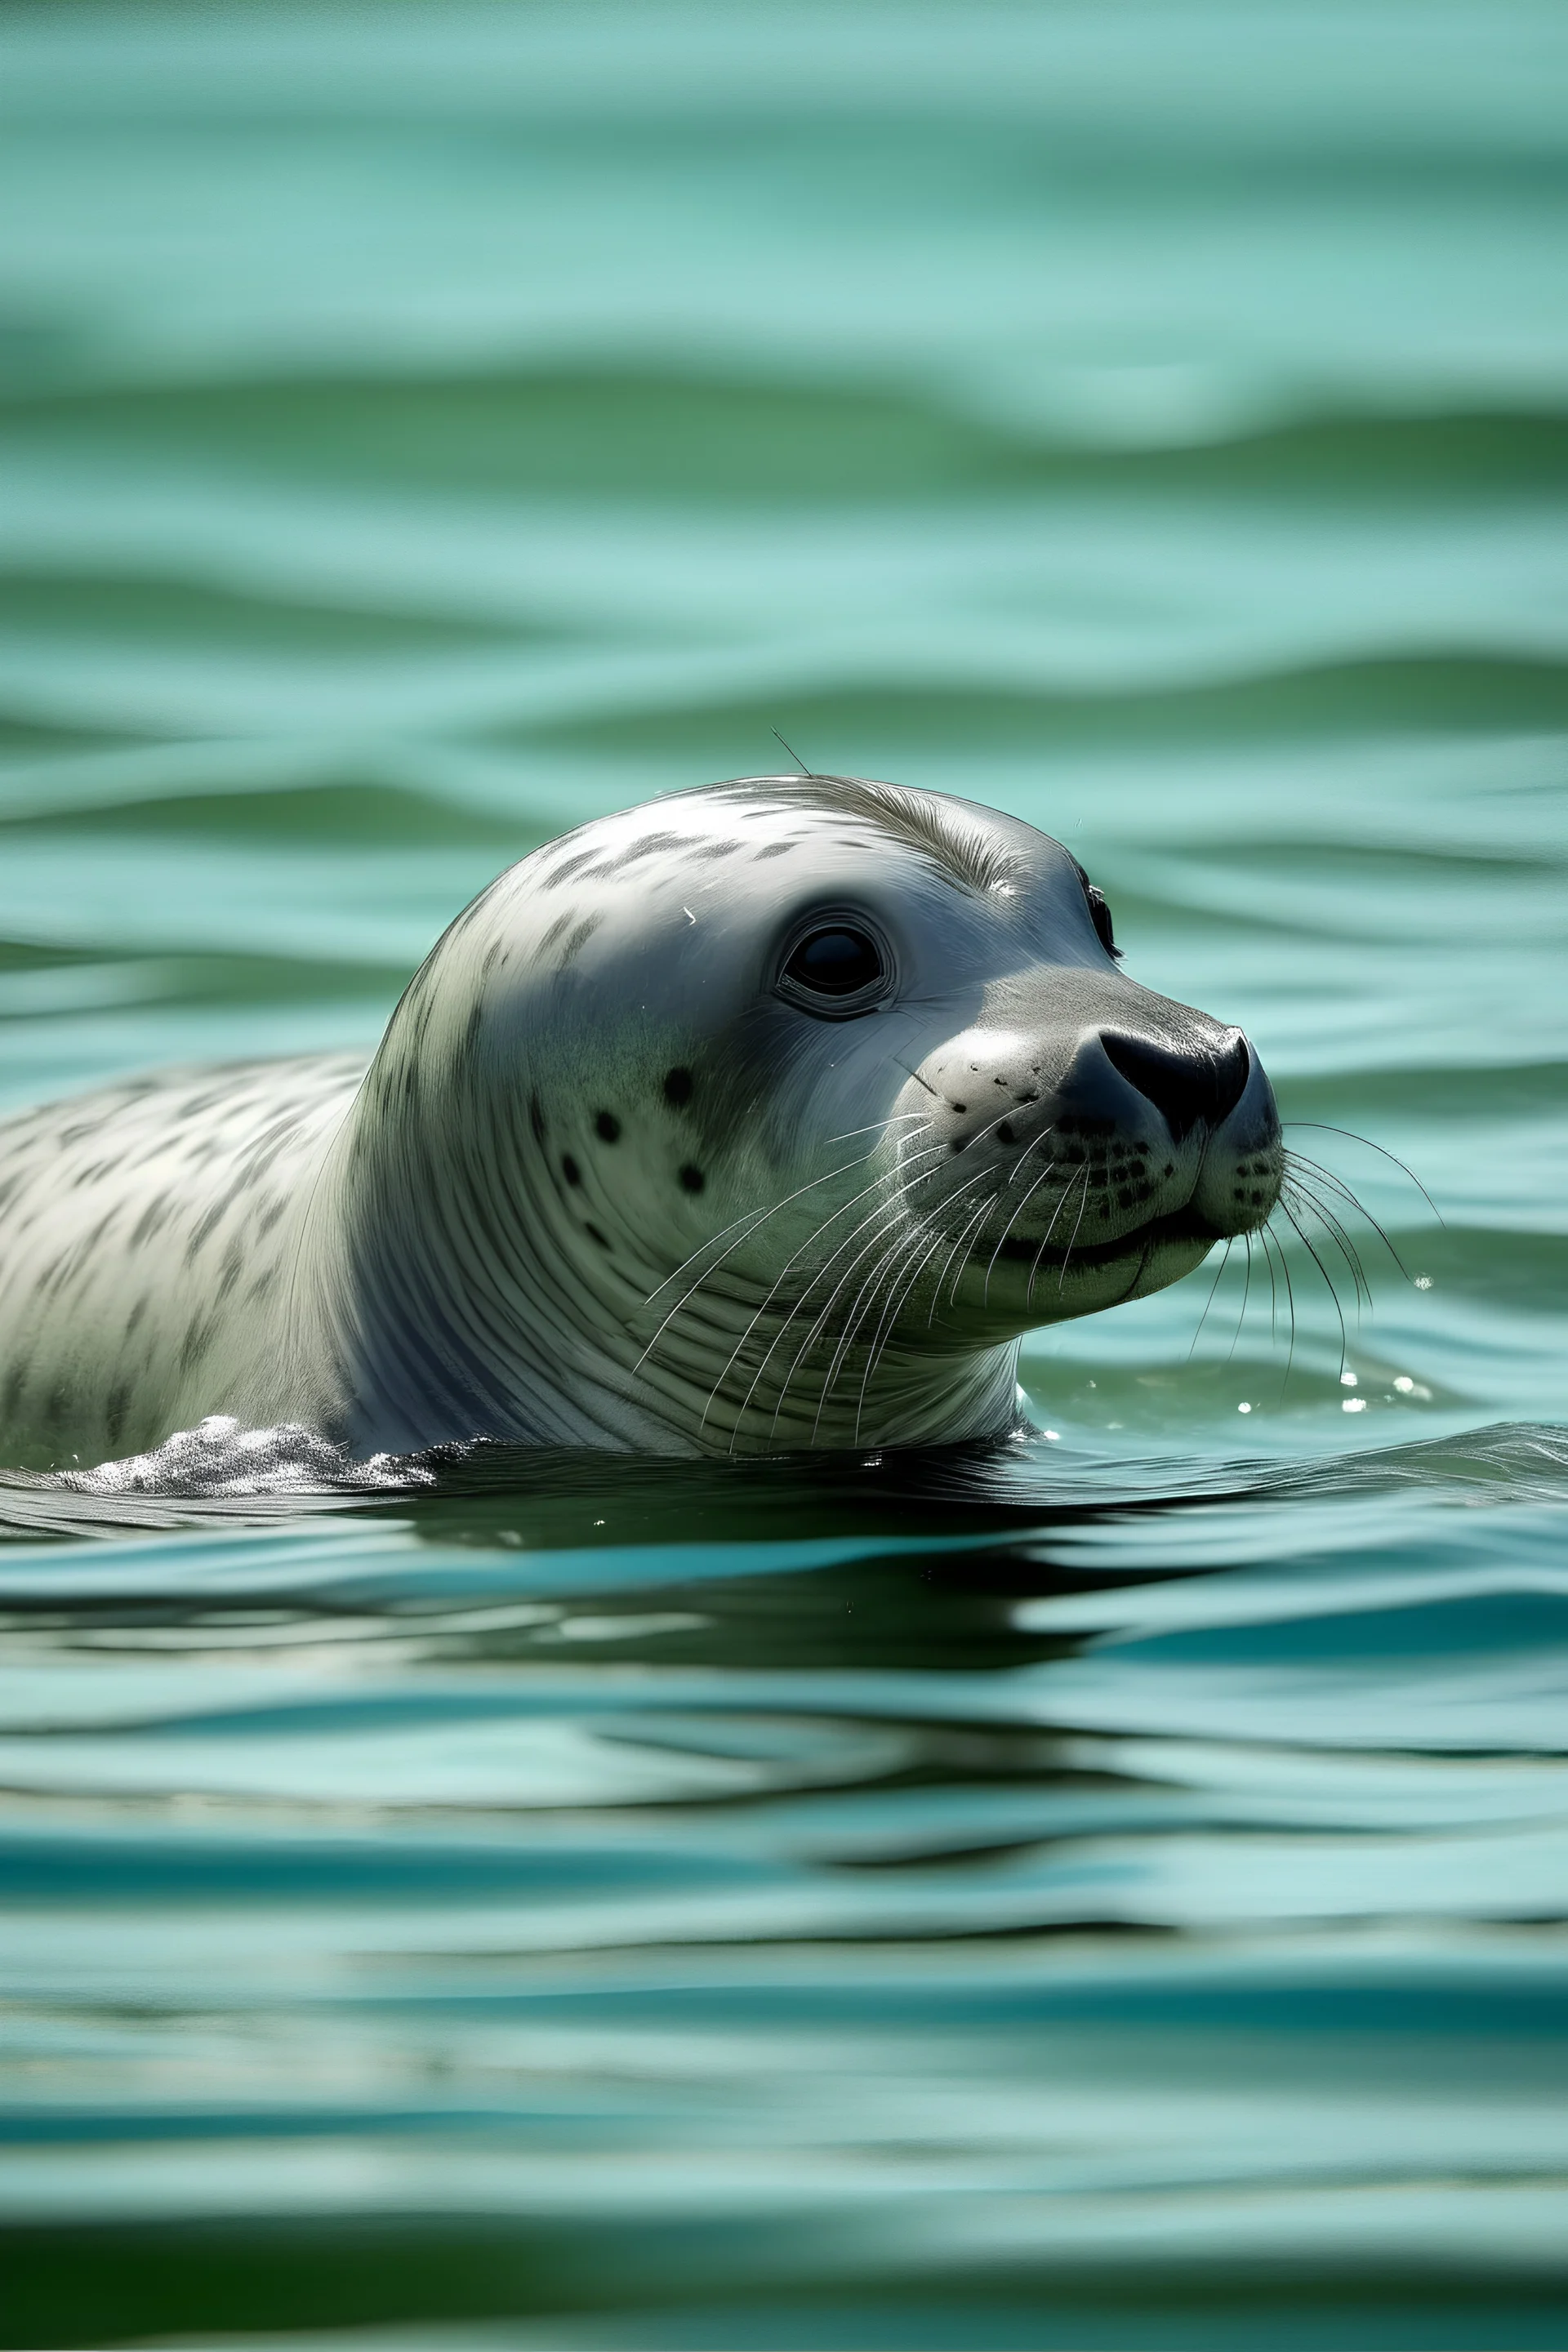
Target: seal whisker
(1214, 1288)
(1323, 1127)
(1296, 1161)
(896, 1298)
(752, 1218)
(1072, 1244)
(1247, 1290)
(963, 1234)
(880, 1126)
(1304, 1196)
(1306, 1242)
(1264, 1235)
(891, 1176)
(759, 1219)
(816, 1329)
(1050, 1229)
(1246, 1294)
(894, 1175)
(1297, 1197)
(1049, 1170)
(888, 1243)
(1293, 1190)
(972, 1228)
(818, 1274)
(865, 1301)
(979, 1177)
(907, 1249)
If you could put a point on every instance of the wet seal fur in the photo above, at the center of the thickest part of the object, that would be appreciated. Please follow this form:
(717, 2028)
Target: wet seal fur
(615, 1178)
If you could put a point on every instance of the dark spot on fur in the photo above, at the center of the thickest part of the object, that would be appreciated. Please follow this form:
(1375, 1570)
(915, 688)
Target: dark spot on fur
(114, 1413)
(776, 849)
(645, 849)
(199, 1335)
(201, 1232)
(136, 1314)
(677, 1088)
(471, 1031)
(692, 1180)
(153, 1217)
(579, 940)
(570, 1169)
(595, 1236)
(961, 1108)
(536, 1118)
(15, 1381)
(1005, 1132)
(568, 866)
(607, 1127)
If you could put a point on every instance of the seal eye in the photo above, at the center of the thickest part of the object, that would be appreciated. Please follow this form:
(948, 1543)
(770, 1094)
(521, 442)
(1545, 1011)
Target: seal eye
(836, 962)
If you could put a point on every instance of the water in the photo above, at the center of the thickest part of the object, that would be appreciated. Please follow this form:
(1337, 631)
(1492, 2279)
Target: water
(1109, 1892)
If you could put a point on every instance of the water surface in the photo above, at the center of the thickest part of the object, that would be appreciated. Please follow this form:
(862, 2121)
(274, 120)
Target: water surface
(1108, 1890)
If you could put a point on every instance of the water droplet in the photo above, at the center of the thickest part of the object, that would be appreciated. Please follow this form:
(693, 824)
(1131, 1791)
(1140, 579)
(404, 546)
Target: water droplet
(1244, 1408)
(1348, 1381)
(1423, 1282)
(1404, 1384)
(1353, 1405)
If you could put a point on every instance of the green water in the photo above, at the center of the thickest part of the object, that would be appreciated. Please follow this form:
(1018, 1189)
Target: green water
(1107, 1895)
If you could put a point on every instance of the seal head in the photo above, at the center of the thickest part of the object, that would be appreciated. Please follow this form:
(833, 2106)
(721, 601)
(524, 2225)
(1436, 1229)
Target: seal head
(769, 1116)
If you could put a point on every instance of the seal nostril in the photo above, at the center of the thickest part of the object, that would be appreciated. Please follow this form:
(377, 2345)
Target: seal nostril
(1184, 1083)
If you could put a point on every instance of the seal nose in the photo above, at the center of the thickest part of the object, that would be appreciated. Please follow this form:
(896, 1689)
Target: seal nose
(1184, 1083)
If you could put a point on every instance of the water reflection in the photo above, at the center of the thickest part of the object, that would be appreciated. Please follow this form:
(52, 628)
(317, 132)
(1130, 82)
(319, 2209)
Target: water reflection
(978, 1914)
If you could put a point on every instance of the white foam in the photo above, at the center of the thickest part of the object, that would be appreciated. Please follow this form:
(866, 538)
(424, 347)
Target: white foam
(220, 1457)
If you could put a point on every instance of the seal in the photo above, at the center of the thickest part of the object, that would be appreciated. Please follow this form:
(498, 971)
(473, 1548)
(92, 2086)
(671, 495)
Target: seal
(763, 1116)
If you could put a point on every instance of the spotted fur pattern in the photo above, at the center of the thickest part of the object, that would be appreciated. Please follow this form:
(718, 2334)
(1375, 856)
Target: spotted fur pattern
(606, 1183)
(148, 1232)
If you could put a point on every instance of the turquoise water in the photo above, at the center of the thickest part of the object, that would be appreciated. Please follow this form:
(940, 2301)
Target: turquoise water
(1110, 1893)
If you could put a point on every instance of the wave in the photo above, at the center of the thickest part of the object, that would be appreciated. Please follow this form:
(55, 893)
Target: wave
(213, 1473)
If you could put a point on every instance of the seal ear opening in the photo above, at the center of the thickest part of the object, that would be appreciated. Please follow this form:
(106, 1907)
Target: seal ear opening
(1103, 922)
(1098, 911)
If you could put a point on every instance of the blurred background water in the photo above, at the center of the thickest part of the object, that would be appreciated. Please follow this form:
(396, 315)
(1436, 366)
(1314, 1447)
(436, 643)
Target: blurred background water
(1111, 1893)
